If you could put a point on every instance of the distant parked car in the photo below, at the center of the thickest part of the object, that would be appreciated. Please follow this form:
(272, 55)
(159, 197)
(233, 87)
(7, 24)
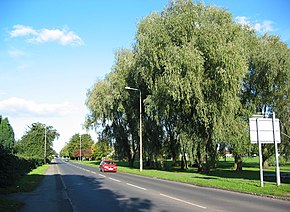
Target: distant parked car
(108, 166)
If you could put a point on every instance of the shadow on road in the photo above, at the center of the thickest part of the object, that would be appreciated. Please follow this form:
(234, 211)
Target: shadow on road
(77, 191)
(92, 194)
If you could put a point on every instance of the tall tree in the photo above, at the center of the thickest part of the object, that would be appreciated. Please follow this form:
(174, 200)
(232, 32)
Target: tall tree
(76, 143)
(32, 143)
(112, 109)
(266, 85)
(195, 56)
(7, 139)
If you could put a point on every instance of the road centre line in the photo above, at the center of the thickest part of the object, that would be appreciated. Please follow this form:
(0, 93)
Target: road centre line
(102, 175)
(114, 179)
(136, 186)
(180, 200)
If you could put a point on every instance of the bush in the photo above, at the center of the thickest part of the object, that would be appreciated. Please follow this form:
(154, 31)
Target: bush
(272, 161)
(12, 167)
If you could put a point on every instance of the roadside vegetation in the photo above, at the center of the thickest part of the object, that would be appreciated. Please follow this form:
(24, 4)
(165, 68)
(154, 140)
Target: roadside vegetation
(223, 177)
(200, 76)
(26, 183)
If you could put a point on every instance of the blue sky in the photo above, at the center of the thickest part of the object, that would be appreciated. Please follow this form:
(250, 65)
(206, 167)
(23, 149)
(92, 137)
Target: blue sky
(52, 52)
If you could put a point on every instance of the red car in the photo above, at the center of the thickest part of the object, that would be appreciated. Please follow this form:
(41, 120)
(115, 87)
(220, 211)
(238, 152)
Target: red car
(108, 166)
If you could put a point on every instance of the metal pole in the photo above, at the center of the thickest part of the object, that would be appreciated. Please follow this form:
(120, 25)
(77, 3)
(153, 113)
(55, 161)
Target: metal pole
(276, 152)
(260, 154)
(80, 147)
(45, 145)
(141, 158)
(140, 125)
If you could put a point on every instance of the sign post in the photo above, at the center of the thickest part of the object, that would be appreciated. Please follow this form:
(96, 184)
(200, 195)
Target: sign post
(260, 155)
(266, 130)
(276, 152)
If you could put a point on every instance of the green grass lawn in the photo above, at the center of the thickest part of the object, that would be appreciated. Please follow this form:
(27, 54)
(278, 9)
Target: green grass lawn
(26, 183)
(223, 177)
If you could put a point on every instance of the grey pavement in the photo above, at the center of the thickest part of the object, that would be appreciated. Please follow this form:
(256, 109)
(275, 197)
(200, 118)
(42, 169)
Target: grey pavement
(50, 195)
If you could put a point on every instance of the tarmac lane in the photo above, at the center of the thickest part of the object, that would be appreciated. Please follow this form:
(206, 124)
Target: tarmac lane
(50, 195)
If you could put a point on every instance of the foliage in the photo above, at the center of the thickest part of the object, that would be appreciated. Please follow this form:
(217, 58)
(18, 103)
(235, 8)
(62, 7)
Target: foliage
(101, 149)
(32, 142)
(266, 85)
(200, 76)
(12, 167)
(25, 183)
(7, 139)
(77, 141)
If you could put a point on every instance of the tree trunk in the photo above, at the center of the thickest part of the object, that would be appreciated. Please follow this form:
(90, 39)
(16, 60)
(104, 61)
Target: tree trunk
(199, 158)
(183, 162)
(238, 163)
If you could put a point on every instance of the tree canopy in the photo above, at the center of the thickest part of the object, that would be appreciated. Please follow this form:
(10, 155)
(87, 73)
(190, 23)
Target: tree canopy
(32, 142)
(7, 139)
(76, 143)
(201, 76)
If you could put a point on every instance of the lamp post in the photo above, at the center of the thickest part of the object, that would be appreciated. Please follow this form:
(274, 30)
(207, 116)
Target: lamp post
(140, 125)
(80, 147)
(44, 144)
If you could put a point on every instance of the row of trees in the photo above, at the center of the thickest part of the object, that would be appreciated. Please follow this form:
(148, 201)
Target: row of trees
(20, 157)
(201, 76)
(82, 145)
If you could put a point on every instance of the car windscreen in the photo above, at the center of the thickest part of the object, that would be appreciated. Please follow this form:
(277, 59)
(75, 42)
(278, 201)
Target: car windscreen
(109, 162)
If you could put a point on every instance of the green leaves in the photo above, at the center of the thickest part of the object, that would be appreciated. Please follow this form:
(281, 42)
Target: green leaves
(199, 73)
(7, 139)
(32, 142)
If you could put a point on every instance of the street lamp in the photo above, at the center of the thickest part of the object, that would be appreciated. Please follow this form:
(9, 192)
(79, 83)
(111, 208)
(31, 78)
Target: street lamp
(80, 147)
(140, 125)
(44, 144)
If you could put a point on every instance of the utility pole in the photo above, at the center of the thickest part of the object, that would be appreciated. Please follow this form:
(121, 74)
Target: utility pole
(80, 147)
(140, 125)
(44, 144)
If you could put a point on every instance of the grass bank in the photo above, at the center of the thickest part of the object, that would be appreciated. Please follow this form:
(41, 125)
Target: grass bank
(223, 177)
(26, 183)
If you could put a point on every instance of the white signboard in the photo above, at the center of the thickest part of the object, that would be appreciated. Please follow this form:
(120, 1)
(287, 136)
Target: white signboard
(265, 127)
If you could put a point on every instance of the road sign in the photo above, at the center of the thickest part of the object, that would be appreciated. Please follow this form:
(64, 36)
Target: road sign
(265, 126)
(266, 130)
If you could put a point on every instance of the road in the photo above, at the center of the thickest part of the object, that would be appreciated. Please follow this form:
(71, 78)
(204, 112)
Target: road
(90, 190)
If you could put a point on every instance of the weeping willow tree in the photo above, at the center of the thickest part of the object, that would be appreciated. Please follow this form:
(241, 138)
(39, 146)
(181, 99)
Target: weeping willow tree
(192, 64)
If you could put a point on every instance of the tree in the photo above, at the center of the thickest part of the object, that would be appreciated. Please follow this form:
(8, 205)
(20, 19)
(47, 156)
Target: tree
(64, 151)
(101, 149)
(113, 111)
(77, 142)
(7, 139)
(32, 142)
(193, 56)
(266, 85)
(200, 74)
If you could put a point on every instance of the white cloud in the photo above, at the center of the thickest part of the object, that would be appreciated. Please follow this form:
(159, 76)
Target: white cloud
(265, 26)
(20, 30)
(16, 53)
(62, 37)
(21, 107)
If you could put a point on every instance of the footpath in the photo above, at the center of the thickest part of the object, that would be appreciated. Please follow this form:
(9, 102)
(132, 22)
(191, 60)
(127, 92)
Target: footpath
(49, 196)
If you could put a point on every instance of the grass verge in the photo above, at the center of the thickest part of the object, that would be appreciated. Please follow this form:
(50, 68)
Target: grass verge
(26, 183)
(223, 177)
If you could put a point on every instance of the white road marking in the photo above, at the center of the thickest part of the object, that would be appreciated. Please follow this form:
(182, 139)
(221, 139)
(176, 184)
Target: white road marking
(136, 186)
(102, 175)
(114, 179)
(180, 200)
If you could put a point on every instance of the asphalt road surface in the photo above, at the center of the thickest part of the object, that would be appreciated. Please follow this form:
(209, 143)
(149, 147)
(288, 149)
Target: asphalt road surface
(91, 190)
